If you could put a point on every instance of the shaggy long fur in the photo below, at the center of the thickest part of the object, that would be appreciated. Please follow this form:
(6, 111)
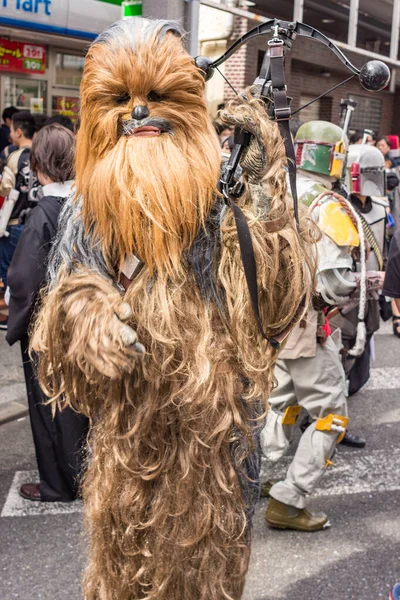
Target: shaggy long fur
(172, 478)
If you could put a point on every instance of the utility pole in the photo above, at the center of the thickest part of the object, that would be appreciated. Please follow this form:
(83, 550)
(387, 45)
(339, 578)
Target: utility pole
(194, 17)
(172, 10)
(353, 23)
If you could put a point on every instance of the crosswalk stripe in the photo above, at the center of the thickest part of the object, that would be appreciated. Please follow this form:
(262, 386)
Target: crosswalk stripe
(383, 378)
(15, 506)
(385, 328)
(352, 473)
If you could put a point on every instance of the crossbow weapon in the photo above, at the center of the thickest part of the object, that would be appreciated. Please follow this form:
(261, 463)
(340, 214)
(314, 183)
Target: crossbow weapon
(270, 86)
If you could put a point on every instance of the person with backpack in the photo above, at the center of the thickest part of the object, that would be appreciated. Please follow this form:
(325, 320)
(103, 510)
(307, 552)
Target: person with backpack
(7, 115)
(58, 440)
(14, 185)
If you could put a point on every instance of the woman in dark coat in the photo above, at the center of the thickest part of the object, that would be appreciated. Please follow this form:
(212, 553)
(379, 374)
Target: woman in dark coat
(58, 440)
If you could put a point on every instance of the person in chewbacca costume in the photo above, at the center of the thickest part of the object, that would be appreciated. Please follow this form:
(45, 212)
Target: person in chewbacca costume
(147, 326)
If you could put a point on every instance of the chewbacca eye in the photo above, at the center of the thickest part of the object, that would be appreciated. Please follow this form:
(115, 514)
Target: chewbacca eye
(123, 98)
(154, 97)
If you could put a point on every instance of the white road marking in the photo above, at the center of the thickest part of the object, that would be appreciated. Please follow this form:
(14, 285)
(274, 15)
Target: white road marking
(15, 506)
(357, 472)
(352, 473)
(385, 328)
(383, 378)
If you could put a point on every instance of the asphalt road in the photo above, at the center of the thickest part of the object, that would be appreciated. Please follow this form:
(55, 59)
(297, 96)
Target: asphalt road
(42, 550)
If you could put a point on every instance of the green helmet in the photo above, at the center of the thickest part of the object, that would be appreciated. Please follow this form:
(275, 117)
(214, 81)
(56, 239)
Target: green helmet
(320, 148)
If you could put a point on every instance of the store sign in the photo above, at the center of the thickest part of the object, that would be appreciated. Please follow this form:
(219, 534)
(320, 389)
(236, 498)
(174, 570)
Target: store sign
(67, 106)
(17, 57)
(116, 2)
(36, 106)
(77, 18)
(30, 6)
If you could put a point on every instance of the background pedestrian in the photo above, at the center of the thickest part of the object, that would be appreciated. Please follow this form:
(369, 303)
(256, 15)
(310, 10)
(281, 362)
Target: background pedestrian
(58, 440)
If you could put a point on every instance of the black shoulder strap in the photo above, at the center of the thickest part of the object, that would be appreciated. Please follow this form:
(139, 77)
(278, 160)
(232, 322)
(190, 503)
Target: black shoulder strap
(250, 271)
(23, 157)
(242, 139)
(282, 115)
(249, 266)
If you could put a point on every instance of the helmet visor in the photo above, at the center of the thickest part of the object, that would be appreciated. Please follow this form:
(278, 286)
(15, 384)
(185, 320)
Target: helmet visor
(315, 157)
(372, 182)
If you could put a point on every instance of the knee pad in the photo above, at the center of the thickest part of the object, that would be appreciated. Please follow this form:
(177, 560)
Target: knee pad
(334, 423)
(291, 415)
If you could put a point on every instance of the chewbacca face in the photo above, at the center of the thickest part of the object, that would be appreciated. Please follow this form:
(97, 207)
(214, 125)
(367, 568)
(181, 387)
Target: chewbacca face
(147, 157)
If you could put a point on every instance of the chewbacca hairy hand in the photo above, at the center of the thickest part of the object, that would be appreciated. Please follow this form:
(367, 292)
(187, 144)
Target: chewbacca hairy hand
(84, 325)
(248, 113)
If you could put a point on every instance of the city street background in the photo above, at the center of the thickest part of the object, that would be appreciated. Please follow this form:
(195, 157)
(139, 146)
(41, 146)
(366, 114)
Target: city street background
(42, 550)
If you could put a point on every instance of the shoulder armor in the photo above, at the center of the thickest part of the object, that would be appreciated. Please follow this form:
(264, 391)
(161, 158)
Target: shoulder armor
(309, 191)
(336, 224)
(381, 201)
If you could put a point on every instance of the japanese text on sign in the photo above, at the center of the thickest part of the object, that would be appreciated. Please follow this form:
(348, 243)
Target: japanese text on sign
(17, 57)
(67, 106)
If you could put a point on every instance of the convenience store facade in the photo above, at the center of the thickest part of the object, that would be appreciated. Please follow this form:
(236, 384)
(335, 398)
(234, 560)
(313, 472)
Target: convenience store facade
(42, 51)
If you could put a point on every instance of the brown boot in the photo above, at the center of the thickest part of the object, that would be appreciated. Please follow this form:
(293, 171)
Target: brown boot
(283, 516)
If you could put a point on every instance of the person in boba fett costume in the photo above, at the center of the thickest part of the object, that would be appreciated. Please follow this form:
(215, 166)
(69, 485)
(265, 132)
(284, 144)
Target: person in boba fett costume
(366, 183)
(309, 371)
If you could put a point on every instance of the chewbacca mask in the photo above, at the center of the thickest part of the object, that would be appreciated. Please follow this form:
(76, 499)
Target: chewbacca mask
(172, 372)
(145, 135)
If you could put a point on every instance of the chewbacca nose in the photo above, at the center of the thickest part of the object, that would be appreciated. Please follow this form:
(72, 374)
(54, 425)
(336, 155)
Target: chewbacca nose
(140, 112)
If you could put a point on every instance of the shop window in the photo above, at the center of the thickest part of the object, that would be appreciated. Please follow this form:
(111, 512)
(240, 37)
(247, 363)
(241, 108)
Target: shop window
(325, 108)
(282, 9)
(312, 112)
(329, 17)
(25, 93)
(367, 114)
(374, 26)
(69, 69)
(66, 105)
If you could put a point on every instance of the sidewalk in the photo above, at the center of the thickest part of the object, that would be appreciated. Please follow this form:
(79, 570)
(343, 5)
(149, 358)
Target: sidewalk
(13, 401)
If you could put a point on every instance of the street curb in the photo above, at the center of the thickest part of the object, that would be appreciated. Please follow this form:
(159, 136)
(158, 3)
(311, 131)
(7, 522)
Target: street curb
(12, 411)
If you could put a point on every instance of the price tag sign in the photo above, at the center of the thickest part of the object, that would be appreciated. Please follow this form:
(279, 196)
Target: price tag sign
(33, 64)
(17, 57)
(36, 52)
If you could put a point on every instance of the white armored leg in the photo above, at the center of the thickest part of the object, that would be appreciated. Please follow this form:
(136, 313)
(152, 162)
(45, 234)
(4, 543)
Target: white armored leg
(319, 387)
(276, 437)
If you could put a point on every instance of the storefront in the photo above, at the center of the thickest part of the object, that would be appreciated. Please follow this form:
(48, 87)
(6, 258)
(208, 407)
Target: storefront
(42, 51)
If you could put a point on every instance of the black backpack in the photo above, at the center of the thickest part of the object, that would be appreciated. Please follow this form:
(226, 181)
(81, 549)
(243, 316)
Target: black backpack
(23, 184)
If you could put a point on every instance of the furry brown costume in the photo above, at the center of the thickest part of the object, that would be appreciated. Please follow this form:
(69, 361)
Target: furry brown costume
(171, 481)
